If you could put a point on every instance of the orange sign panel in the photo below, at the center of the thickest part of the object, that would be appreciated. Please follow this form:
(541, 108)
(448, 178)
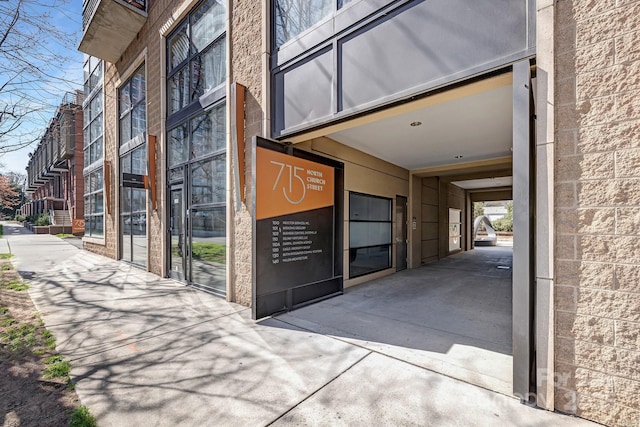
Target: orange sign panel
(287, 184)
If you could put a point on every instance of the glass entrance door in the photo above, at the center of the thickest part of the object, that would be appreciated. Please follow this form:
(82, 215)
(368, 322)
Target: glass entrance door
(197, 175)
(197, 243)
(177, 234)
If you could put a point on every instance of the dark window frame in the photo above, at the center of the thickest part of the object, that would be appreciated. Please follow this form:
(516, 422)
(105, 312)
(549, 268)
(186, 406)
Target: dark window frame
(193, 105)
(180, 173)
(126, 154)
(353, 249)
(91, 214)
(93, 131)
(277, 44)
(133, 106)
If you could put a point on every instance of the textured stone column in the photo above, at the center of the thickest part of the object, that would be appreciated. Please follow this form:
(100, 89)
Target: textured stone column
(248, 66)
(597, 208)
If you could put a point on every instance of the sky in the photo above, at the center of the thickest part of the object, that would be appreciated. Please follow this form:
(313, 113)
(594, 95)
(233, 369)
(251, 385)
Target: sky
(67, 15)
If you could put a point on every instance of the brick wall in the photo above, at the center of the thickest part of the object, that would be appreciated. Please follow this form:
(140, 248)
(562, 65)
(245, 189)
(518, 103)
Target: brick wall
(78, 165)
(597, 208)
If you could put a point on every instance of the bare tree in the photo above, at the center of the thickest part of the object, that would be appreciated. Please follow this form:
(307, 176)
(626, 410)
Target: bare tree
(33, 54)
(292, 17)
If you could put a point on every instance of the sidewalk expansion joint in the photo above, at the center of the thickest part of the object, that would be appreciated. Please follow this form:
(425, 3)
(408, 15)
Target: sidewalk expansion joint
(319, 389)
(392, 357)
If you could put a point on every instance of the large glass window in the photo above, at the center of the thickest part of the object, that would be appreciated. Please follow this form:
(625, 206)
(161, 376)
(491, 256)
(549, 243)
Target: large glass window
(369, 234)
(132, 107)
(133, 201)
(92, 74)
(94, 203)
(196, 147)
(293, 17)
(209, 247)
(133, 209)
(196, 52)
(93, 148)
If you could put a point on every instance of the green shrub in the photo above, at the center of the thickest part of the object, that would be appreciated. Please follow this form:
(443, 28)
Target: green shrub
(42, 219)
(21, 218)
(503, 224)
(81, 417)
(506, 223)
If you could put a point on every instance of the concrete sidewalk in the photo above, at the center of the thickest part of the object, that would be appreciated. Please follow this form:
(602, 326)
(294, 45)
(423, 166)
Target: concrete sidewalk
(151, 351)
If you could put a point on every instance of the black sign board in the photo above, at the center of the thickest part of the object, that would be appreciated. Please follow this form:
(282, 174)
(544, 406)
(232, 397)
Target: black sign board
(132, 180)
(299, 223)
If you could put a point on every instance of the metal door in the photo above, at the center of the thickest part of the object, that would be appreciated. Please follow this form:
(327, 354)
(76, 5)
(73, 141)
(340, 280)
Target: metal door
(401, 233)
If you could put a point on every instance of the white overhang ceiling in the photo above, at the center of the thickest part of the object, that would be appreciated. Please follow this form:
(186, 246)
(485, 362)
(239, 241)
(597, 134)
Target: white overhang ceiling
(465, 129)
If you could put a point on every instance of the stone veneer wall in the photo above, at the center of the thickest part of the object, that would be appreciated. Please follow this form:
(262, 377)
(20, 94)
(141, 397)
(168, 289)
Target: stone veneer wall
(148, 38)
(597, 208)
(246, 55)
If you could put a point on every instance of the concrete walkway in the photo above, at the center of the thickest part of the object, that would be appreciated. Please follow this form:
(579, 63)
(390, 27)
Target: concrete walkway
(452, 317)
(150, 351)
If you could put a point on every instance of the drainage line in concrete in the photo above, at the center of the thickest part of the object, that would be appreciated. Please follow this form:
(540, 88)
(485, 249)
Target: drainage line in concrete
(394, 358)
(320, 388)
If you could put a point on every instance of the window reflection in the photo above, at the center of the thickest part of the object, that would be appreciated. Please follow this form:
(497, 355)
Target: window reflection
(208, 133)
(292, 17)
(370, 234)
(208, 181)
(179, 90)
(176, 174)
(208, 70)
(133, 209)
(208, 22)
(196, 145)
(209, 248)
(178, 145)
(132, 107)
(178, 47)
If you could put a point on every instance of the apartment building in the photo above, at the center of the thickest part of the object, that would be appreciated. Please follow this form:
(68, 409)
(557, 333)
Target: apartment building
(276, 153)
(54, 172)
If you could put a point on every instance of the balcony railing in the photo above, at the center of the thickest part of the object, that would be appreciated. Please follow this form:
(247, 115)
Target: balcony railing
(109, 26)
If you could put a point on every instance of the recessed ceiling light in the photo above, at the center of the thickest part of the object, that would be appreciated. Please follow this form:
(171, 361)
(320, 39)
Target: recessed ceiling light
(459, 156)
(414, 124)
